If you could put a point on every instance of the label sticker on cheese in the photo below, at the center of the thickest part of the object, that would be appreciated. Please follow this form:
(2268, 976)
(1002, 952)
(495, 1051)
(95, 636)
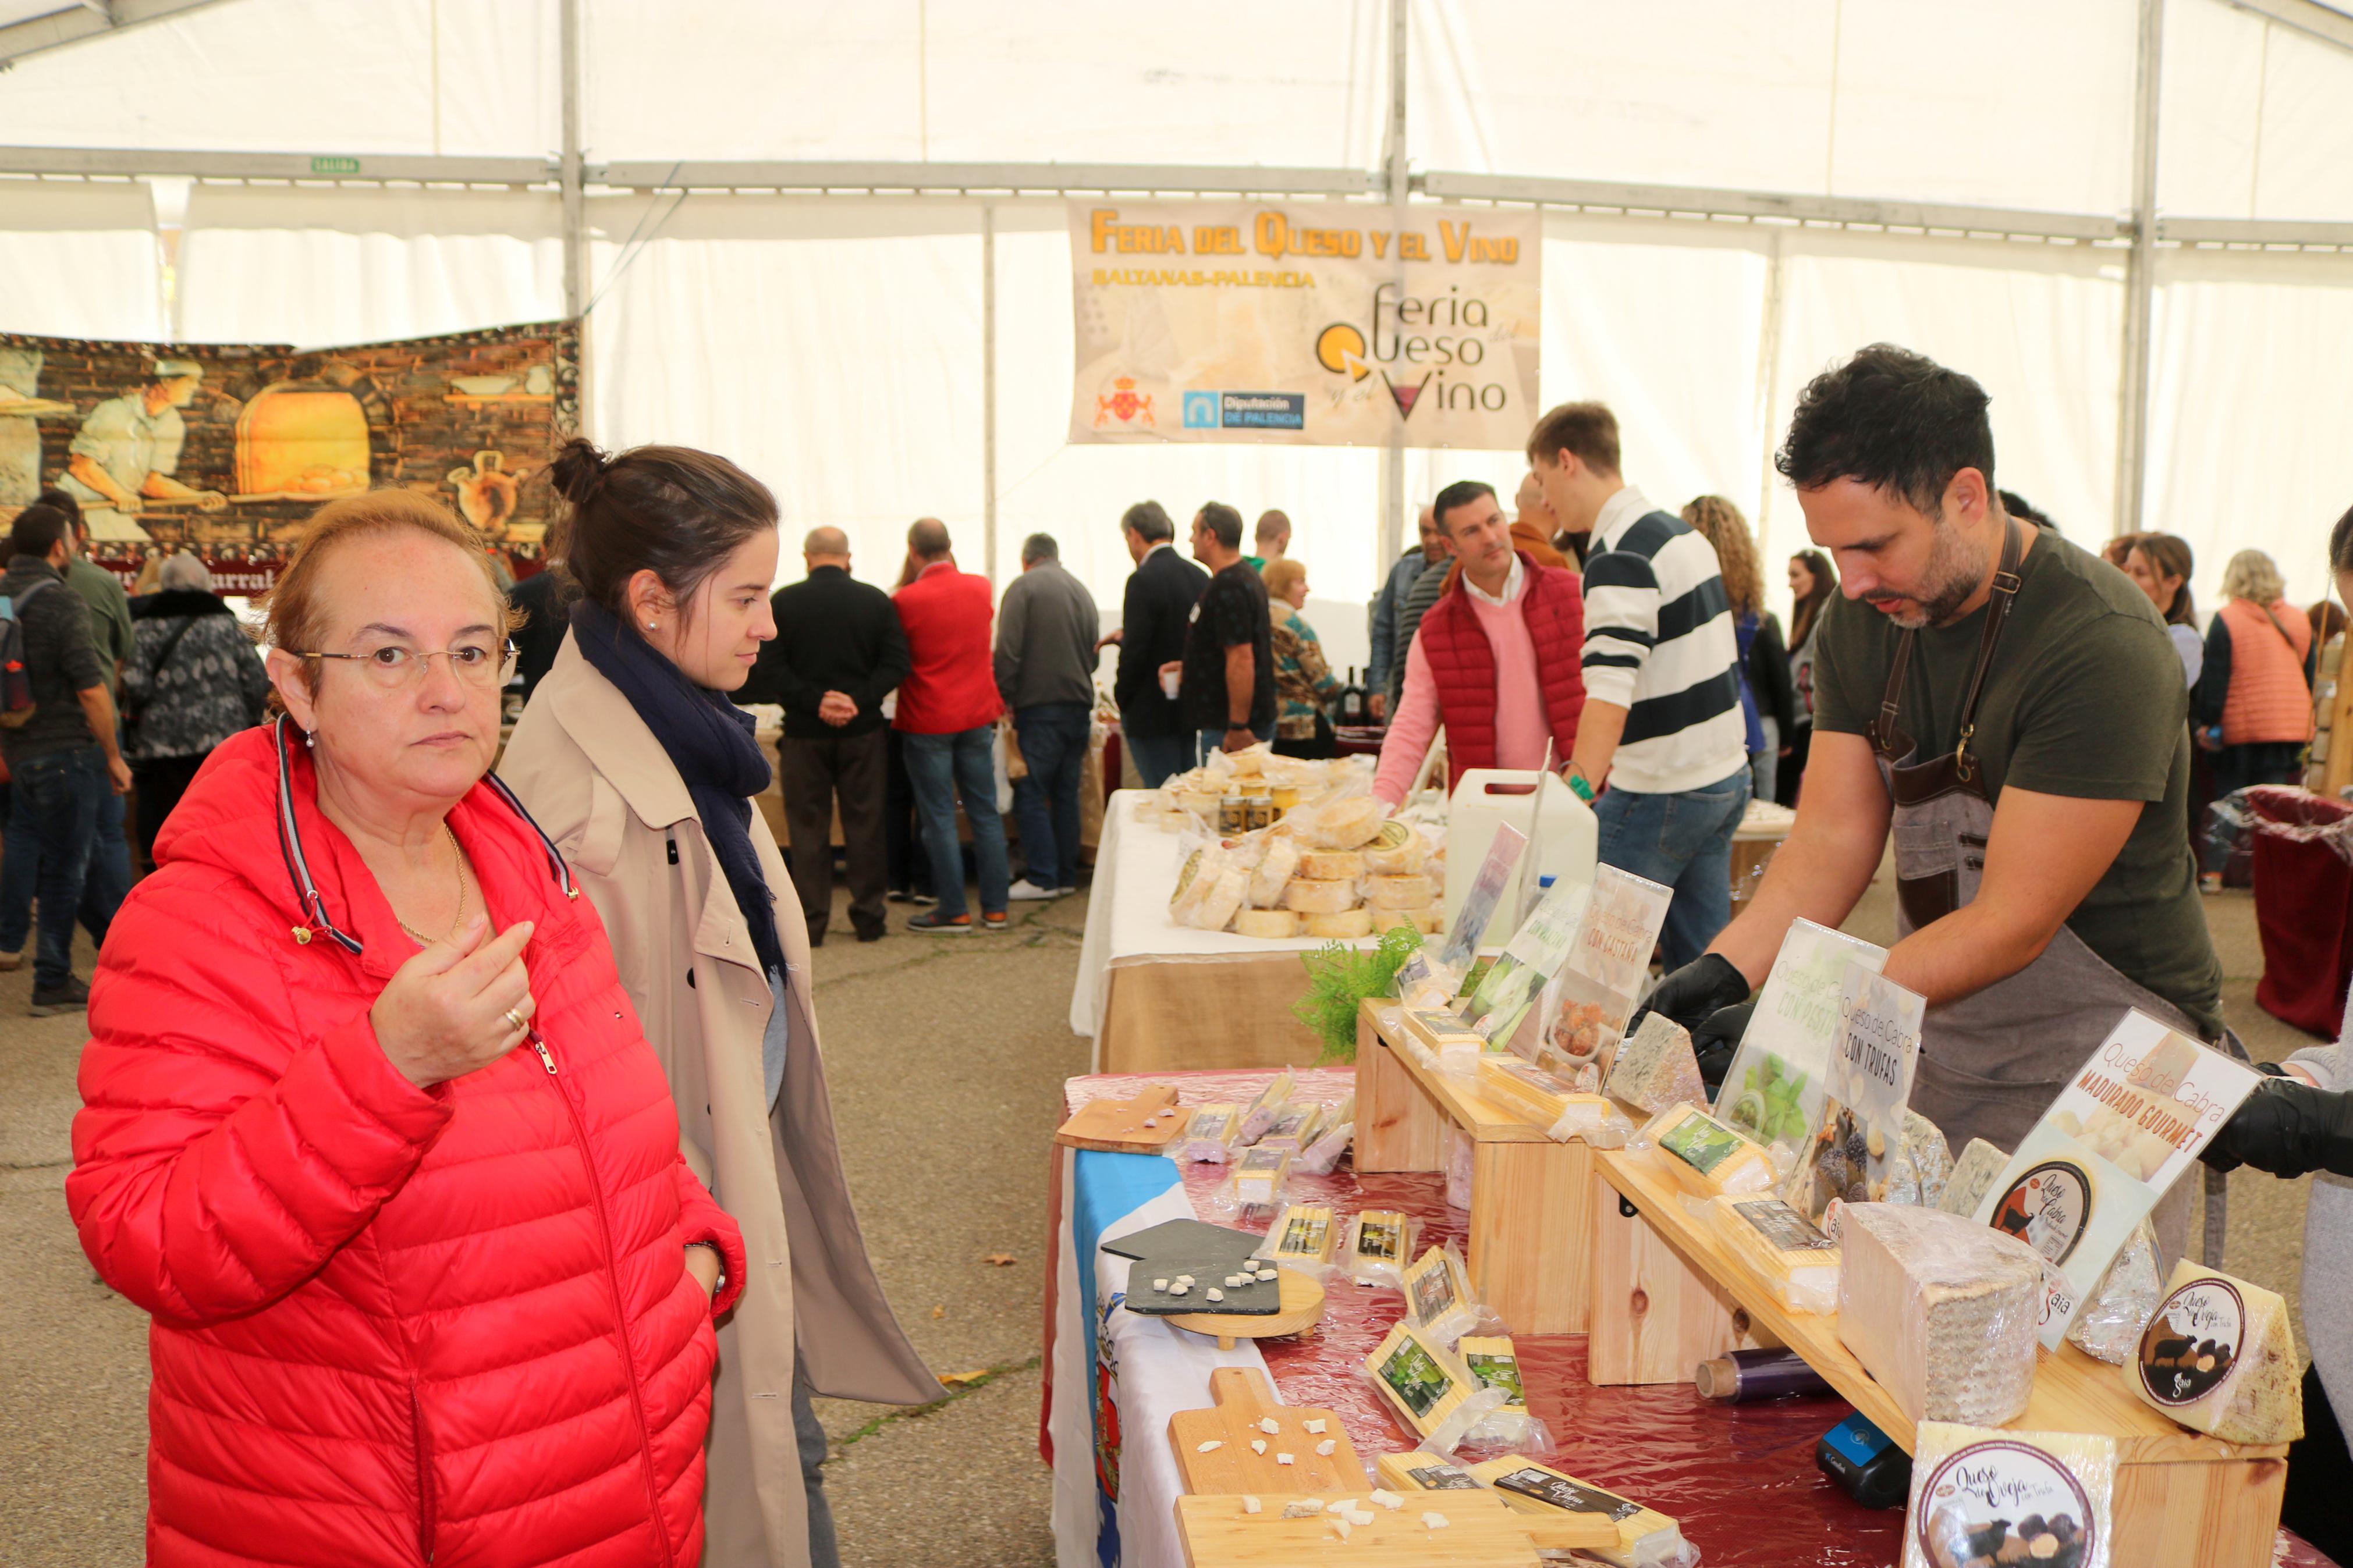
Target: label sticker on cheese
(2047, 1207)
(2004, 1502)
(1304, 1233)
(1784, 1227)
(1701, 1144)
(1440, 1477)
(1494, 1368)
(1558, 1490)
(1380, 1236)
(1430, 1289)
(2193, 1341)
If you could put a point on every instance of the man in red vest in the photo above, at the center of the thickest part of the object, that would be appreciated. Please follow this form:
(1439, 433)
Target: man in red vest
(1496, 660)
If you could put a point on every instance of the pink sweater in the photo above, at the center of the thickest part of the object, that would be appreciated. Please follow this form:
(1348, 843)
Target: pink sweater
(1521, 727)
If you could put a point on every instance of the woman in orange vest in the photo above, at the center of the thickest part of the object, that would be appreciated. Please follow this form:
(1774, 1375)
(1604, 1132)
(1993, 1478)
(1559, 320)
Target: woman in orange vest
(2253, 703)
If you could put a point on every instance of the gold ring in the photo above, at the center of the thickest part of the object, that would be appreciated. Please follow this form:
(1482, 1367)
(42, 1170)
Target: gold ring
(517, 1019)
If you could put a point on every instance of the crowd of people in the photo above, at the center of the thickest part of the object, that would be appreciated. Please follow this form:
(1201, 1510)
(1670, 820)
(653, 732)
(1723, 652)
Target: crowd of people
(466, 1134)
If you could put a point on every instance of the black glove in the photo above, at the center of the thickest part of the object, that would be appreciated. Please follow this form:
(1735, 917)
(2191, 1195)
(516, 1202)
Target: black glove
(2287, 1127)
(1707, 996)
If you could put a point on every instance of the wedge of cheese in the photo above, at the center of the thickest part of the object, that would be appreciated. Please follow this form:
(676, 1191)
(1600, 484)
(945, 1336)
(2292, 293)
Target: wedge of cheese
(1711, 1156)
(1656, 1068)
(1345, 926)
(2219, 1357)
(1972, 1173)
(1566, 1514)
(1983, 1497)
(1942, 1310)
(1313, 898)
(1278, 925)
(1796, 1259)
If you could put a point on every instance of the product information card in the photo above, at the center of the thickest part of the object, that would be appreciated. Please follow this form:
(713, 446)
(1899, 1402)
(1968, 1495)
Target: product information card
(1774, 1086)
(1587, 1004)
(1858, 1130)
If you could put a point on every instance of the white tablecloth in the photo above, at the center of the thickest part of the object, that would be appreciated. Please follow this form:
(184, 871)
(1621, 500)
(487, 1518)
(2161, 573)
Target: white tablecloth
(1128, 913)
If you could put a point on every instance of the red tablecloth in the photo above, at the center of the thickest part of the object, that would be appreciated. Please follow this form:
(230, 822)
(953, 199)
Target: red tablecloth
(1740, 1478)
(2303, 905)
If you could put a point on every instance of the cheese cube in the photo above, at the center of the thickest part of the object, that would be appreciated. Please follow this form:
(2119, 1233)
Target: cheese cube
(1656, 1068)
(1268, 1424)
(1943, 1312)
(2219, 1357)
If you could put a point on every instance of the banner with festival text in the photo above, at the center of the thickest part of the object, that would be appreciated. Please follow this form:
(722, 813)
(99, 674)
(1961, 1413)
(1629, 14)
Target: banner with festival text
(1311, 323)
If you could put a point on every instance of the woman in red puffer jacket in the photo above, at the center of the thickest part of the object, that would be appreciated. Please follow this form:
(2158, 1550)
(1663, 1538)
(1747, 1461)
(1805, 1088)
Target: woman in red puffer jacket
(401, 1185)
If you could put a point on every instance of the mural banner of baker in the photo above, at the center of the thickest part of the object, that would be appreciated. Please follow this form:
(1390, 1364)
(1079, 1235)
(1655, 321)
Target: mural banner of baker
(229, 449)
(1307, 323)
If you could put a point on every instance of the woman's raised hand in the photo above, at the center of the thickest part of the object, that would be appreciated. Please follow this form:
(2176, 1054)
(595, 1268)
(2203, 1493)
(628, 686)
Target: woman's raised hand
(452, 1008)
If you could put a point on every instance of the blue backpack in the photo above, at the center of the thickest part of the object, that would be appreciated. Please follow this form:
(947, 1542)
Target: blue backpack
(17, 705)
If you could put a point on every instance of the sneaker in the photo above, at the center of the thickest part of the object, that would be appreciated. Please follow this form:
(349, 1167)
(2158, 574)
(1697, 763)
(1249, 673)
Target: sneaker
(2209, 881)
(1000, 921)
(11, 960)
(936, 924)
(1026, 888)
(1066, 891)
(903, 896)
(50, 1000)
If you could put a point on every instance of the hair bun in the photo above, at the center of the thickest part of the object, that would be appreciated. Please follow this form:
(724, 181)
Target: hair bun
(580, 468)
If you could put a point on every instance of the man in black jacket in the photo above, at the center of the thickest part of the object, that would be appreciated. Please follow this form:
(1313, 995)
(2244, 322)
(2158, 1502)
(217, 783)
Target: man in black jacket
(1153, 611)
(838, 652)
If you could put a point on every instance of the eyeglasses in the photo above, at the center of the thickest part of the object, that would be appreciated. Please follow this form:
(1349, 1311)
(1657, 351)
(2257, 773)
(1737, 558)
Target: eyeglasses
(393, 666)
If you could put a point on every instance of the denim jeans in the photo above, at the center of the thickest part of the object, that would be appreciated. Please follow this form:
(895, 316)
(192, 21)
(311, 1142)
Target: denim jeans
(1053, 738)
(1683, 841)
(1215, 741)
(55, 805)
(941, 768)
(1158, 756)
(106, 883)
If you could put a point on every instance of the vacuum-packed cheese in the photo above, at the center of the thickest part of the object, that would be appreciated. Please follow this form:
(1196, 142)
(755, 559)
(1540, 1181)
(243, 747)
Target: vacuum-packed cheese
(2219, 1357)
(1972, 1173)
(1278, 925)
(1420, 1470)
(1274, 872)
(1345, 926)
(1567, 1514)
(1942, 1310)
(1799, 1262)
(1346, 824)
(1397, 892)
(1717, 1158)
(1313, 898)
(1656, 1068)
(1991, 1499)
(1303, 1236)
(1331, 865)
(1398, 850)
(1418, 1378)
(1210, 1136)
(1538, 1098)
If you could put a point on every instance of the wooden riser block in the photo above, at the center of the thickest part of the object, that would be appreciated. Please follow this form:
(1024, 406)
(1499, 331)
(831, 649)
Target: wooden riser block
(1398, 1126)
(1531, 1234)
(1480, 1532)
(1241, 1397)
(2222, 1514)
(1654, 1317)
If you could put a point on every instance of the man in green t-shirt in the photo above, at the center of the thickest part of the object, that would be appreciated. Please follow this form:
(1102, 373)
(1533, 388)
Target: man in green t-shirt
(2045, 884)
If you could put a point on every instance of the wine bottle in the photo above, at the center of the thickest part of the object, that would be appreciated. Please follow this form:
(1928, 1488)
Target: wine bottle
(1352, 700)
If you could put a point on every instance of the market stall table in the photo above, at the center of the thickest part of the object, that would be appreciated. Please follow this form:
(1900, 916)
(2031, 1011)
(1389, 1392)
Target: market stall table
(1153, 995)
(1740, 1478)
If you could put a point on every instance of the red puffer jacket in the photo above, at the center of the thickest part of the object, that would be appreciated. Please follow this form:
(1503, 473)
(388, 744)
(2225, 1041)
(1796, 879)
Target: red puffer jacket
(393, 1325)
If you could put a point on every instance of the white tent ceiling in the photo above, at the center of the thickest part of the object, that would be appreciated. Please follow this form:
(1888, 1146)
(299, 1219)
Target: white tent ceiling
(834, 341)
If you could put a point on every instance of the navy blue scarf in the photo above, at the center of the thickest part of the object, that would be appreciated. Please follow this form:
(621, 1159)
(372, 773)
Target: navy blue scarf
(709, 741)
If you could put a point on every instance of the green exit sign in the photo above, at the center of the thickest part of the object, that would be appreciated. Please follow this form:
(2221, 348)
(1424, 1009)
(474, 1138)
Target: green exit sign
(334, 165)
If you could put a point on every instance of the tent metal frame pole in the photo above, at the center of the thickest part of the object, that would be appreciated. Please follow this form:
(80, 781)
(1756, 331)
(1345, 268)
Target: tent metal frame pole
(1390, 536)
(2140, 281)
(570, 171)
(988, 389)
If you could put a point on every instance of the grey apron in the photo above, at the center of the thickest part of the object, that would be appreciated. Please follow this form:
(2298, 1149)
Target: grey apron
(1990, 1063)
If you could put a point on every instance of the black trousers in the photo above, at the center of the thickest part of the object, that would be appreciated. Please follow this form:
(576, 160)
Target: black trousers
(2319, 1501)
(159, 781)
(817, 774)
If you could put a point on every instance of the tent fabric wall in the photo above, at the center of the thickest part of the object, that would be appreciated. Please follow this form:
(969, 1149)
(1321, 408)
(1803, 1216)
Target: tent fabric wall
(2253, 118)
(80, 261)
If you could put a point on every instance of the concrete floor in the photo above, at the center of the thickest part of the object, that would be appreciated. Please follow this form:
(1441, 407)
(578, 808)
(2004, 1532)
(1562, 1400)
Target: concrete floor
(945, 1057)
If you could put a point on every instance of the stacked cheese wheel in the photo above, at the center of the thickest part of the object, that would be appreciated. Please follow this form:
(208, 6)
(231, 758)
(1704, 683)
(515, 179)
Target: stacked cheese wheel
(1337, 869)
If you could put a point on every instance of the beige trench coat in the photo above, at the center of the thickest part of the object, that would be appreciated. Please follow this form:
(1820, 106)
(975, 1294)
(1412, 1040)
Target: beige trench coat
(589, 771)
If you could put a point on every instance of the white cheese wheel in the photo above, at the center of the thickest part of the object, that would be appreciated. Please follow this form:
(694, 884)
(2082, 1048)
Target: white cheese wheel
(1397, 892)
(1225, 896)
(1281, 861)
(1331, 866)
(1278, 925)
(1398, 859)
(1353, 923)
(1346, 824)
(1319, 897)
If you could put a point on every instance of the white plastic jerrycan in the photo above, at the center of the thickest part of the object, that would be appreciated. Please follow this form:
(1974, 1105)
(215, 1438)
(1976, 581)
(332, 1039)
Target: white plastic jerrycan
(1565, 843)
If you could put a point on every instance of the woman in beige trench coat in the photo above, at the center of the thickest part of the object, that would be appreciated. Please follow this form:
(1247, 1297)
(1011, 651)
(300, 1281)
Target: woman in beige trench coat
(662, 535)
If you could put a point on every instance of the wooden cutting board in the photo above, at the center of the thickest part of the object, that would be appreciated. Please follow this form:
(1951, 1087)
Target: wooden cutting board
(1480, 1532)
(1242, 1397)
(1116, 1126)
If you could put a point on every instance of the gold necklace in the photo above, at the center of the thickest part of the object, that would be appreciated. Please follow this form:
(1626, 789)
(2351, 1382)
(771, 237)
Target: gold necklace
(459, 857)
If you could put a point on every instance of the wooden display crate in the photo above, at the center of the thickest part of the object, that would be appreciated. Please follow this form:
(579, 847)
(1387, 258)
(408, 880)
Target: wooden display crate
(1530, 1197)
(2182, 1500)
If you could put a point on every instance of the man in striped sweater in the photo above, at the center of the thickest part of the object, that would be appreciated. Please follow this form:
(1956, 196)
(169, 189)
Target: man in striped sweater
(1662, 725)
